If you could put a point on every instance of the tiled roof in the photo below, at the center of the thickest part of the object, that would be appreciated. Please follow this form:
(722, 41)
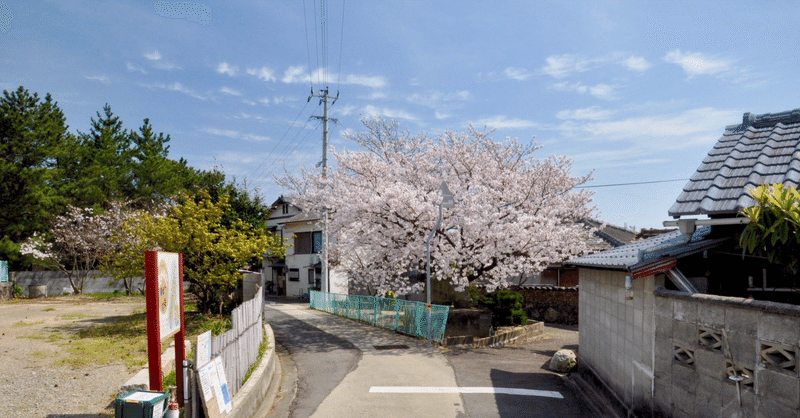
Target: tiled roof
(648, 250)
(303, 217)
(609, 236)
(763, 149)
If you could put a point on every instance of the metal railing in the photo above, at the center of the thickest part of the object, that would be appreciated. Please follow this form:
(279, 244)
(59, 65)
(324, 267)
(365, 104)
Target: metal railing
(404, 316)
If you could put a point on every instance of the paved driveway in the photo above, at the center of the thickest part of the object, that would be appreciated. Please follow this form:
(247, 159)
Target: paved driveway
(345, 368)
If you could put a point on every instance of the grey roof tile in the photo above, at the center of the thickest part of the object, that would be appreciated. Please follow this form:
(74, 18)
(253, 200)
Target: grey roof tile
(763, 149)
(643, 251)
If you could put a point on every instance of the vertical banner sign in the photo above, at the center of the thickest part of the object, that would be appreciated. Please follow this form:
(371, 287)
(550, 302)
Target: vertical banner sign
(3, 271)
(164, 299)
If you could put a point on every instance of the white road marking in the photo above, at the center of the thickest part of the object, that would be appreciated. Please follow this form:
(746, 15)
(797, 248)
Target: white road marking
(453, 389)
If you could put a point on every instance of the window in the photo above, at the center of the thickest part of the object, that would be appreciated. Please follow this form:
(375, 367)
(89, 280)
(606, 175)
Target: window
(294, 275)
(317, 238)
(308, 242)
(311, 278)
(284, 209)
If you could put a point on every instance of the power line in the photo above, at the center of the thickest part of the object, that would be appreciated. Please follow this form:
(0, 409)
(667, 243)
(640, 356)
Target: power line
(628, 184)
(281, 139)
(308, 46)
(341, 43)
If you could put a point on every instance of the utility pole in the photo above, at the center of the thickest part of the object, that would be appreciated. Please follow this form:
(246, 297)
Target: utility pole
(323, 95)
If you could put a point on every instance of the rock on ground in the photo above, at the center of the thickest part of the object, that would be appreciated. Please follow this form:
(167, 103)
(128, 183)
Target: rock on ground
(563, 361)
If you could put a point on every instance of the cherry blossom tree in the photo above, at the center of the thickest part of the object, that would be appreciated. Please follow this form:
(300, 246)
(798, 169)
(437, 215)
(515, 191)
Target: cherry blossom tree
(514, 214)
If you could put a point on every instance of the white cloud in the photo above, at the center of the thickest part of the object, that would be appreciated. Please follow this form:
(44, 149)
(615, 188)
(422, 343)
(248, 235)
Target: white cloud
(363, 80)
(132, 67)
(249, 102)
(519, 74)
(699, 64)
(296, 74)
(156, 57)
(441, 115)
(707, 121)
(345, 110)
(221, 132)
(101, 78)
(225, 68)
(176, 86)
(371, 110)
(436, 99)
(278, 99)
(264, 100)
(373, 95)
(601, 91)
(230, 91)
(560, 66)
(153, 55)
(589, 113)
(413, 82)
(501, 122)
(636, 63)
(234, 134)
(264, 73)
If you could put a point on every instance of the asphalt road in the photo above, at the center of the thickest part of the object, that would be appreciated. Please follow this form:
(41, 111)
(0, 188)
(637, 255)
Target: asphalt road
(523, 366)
(322, 360)
(339, 372)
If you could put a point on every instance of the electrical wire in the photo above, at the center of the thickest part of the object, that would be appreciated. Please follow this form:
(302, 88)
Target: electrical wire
(277, 157)
(281, 139)
(628, 184)
(341, 43)
(296, 145)
(308, 46)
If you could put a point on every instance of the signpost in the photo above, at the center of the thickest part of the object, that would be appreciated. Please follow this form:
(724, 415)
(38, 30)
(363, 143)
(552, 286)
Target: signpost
(164, 301)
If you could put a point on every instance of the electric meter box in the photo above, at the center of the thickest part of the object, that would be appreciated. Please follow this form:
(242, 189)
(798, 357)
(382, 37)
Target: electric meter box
(142, 404)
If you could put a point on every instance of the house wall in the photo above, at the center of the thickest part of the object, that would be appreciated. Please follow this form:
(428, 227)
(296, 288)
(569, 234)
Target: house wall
(617, 334)
(691, 368)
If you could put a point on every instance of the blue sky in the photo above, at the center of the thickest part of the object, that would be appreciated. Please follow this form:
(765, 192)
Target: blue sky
(636, 91)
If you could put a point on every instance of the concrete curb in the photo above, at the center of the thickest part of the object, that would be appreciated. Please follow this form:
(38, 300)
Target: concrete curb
(514, 335)
(261, 387)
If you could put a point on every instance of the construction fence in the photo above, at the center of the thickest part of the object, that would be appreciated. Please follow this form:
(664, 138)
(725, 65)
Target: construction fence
(404, 316)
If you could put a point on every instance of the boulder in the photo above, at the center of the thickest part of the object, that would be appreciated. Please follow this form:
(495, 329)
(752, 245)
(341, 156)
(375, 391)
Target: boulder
(563, 361)
(551, 315)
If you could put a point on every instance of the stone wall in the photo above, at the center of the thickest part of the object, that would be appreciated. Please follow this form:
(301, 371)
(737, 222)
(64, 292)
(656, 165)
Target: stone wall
(617, 329)
(553, 305)
(693, 362)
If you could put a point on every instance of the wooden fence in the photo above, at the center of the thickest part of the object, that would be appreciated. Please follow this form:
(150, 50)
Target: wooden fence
(239, 345)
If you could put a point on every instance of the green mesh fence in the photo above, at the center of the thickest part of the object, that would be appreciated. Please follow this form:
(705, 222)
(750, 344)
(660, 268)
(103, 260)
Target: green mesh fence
(405, 316)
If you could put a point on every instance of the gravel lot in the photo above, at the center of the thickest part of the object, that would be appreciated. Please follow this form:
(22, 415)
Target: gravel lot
(31, 385)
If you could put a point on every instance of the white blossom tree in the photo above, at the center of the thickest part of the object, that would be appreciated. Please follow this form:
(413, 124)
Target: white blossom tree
(514, 214)
(79, 241)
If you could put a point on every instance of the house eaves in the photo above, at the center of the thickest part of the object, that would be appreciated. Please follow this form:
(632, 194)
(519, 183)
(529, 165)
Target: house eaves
(651, 254)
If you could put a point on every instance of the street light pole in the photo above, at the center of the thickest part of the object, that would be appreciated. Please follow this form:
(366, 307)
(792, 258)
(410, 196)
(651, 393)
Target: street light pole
(448, 202)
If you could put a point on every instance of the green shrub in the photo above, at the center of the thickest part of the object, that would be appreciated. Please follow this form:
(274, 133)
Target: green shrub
(506, 307)
(17, 292)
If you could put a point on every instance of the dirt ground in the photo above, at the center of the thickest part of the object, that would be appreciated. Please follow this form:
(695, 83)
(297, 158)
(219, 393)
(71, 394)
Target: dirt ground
(31, 383)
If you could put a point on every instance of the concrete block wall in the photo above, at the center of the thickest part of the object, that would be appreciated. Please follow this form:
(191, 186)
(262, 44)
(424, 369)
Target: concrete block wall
(617, 334)
(697, 336)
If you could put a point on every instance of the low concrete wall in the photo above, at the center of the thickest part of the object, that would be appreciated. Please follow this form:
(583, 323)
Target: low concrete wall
(474, 322)
(260, 389)
(504, 337)
(58, 284)
(700, 340)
